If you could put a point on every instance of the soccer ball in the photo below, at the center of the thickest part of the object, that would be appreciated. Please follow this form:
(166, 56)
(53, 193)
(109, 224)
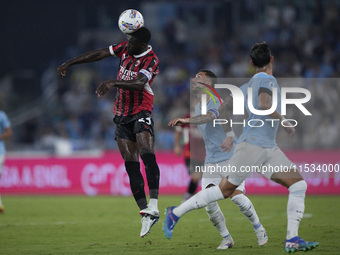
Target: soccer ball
(130, 21)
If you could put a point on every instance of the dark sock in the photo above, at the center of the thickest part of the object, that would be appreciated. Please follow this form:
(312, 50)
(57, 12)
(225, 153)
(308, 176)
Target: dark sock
(152, 173)
(192, 187)
(136, 183)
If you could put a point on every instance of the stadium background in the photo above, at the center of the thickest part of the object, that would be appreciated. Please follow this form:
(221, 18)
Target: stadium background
(63, 134)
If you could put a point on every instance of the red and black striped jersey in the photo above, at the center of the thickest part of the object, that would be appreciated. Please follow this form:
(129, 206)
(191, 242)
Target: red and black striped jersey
(131, 102)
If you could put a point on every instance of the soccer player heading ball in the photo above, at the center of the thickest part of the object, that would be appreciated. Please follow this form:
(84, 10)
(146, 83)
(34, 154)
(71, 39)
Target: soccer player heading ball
(132, 109)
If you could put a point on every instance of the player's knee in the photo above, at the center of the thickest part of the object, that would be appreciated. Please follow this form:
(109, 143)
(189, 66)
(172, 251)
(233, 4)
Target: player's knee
(227, 188)
(287, 179)
(226, 192)
(235, 193)
(146, 150)
(129, 157)
(298, 187)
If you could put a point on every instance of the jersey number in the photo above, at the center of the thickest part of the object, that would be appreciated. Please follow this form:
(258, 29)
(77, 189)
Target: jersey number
(145, 120)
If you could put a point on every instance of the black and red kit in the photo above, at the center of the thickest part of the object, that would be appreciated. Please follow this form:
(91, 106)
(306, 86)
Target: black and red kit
(131, 102)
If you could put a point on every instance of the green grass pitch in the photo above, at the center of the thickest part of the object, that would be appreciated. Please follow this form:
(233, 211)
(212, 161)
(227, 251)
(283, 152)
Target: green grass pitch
(111, 225)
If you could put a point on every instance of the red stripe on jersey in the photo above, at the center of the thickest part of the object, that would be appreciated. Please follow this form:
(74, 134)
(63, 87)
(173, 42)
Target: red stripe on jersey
(147, 104)
(130, 102)
(118, 103)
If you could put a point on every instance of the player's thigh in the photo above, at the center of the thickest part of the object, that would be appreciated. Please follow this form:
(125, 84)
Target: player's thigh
(277, 162)
(128, 149)
(143, 128)
(247, 159)
(126, 141)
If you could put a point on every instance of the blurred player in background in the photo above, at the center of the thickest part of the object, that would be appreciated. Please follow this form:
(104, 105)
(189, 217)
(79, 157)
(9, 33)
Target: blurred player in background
(5, 133)
(257, 147)
(219, 147)
(193, 152)
(132, 109)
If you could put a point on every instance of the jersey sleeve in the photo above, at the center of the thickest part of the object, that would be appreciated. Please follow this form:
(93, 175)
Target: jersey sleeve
(267, 84)
(150, 66)
(117, 49)
(244, 88)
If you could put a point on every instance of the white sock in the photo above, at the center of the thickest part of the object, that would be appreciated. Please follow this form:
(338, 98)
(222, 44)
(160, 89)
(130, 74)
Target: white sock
(295, 207)
(217, 218)
(201, 199)
(247, 208)
(153, 203)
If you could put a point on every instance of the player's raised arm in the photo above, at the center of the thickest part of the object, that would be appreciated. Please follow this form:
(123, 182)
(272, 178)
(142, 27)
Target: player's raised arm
(87, 57)
(202, 119)
(197, 120)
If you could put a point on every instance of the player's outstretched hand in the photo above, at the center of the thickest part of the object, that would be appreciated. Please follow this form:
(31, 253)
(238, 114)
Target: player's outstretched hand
(227, 143)
(62, 70)
(178, 122)
(104, 87)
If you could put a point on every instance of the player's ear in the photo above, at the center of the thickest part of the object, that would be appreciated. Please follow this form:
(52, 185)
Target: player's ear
(271, 59)
(252, 63)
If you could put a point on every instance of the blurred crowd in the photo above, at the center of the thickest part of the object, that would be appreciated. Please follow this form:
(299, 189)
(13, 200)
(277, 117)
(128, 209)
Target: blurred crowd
(304, 37)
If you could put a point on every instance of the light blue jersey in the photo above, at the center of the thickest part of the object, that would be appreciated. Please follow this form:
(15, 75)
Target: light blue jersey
(4, 123)
(213, 136)
(264, 136)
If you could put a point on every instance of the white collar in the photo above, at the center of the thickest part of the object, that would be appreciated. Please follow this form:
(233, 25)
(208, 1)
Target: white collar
(259, 74)
(144, 53)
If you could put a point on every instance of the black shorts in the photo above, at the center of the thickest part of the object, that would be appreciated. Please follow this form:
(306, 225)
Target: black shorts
(128, 131)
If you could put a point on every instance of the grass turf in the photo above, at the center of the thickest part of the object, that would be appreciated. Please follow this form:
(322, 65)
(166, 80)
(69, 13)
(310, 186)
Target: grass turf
(111, 225)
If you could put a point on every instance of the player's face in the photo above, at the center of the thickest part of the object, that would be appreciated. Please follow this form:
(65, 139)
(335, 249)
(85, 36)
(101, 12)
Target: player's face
(200, 77)
(134, 46)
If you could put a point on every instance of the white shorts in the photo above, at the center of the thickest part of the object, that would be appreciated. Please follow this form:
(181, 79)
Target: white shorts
(215, 178)
(249, 158)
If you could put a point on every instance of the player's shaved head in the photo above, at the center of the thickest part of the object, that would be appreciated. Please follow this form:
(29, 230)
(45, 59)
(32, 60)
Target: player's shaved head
(211, 75)
(143, 35)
